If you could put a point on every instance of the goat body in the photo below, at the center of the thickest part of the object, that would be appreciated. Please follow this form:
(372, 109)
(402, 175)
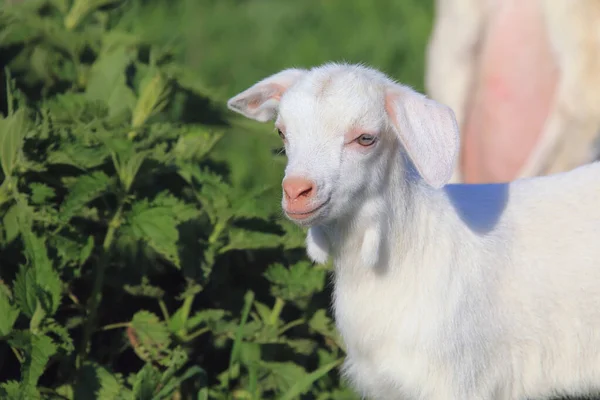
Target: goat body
(441, 291)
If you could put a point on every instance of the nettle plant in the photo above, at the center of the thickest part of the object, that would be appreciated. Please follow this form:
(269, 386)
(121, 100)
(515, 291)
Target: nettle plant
(131, 266)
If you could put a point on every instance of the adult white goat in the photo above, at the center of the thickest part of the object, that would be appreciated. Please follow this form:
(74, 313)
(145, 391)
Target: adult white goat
(456, 292)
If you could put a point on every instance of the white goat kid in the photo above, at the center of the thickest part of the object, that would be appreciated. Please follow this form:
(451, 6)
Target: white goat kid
(441, 292)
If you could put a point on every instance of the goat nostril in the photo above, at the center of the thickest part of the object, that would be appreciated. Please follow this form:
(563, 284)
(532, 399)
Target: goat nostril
(296, 188)
(306, 193)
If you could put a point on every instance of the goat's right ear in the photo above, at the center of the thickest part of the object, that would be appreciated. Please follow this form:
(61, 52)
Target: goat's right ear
(261, 101)
(428, 131)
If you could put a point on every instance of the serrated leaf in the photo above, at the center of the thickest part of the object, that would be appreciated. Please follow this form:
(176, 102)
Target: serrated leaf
(11, 223)
(85, 189)
(302, 346)
(13, 390)
(243, 239)
(302, 385)
(48, 284)
(40, 193)
(181, 211)
(65, 342)
(8, 314)
(157, 226)
(153, 98)
(294, 237)
(37, 350)
(299, 281)
(79, 156)
(12, 135)
(25, 290)
(195, 144)
(66, 391)
(67, 249)
(86, 251)
(324, 325)
(145, 289)
(75, 108)
(255, 202)
(107, 80)
(95, 382)
(150, 336)
(146, 383)
(282, 376)
(171, 385)
(72, 251)
(263, 311)
(128, 167)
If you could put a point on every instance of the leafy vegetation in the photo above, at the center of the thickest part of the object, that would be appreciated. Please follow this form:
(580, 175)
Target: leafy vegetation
(142, 250)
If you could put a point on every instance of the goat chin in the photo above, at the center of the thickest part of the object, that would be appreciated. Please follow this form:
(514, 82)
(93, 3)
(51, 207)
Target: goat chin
(441, 291)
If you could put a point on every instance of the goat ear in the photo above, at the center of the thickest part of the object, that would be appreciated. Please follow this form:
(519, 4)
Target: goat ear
(428, 131)
(261, 101)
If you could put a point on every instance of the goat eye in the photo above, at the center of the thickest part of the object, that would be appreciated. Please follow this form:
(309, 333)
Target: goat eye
(281, 135)
(365, 140)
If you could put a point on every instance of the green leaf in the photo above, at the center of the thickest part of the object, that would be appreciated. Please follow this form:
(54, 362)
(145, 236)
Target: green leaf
(301, 280)
(37, 350)
(95, 382)
(72, 251)
(86, 251)
(283, 376)
(69, 108)
(243, 239)
(196, 144)
(207, 317)
(81, 8)
(13, 390)
(145, 289)
(8, 314)
(79, 156)
(154, 96)
(61, 333)
(128, 166)
(12, 135)
(172, 384)
(149, 336)
(304, 384)
(181, 211)
(25, 290)
(40, 193)
(48, 283)
(156, 225)
(324, 325)
(85, 189)
(302, 346)
(295, 237)
(239, 334)
(146, 382)
(107, 80)
(37, 286)
(66, 391)
(11, 223)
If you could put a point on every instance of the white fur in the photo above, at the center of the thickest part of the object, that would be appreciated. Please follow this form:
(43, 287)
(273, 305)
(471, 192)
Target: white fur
(463, 292)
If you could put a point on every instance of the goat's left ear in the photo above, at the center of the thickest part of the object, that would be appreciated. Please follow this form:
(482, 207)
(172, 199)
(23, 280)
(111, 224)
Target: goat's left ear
(428, 131)
(261, 101)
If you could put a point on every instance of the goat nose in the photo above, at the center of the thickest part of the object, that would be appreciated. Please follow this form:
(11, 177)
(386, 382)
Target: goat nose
(296, 188)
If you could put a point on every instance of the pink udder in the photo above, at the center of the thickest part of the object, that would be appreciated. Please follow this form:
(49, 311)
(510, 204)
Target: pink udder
(512, 95)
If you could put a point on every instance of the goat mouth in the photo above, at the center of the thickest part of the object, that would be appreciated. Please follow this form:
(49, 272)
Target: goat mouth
(303, 215)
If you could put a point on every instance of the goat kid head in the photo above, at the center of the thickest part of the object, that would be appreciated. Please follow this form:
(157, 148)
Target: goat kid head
(342, 126)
